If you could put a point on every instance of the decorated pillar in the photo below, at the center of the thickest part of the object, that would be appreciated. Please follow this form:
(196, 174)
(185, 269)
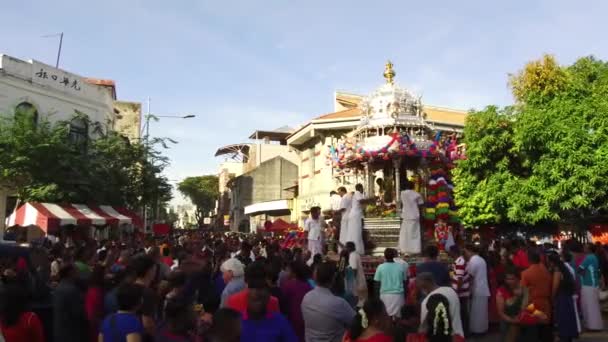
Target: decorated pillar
(368, 182)
(397, 167)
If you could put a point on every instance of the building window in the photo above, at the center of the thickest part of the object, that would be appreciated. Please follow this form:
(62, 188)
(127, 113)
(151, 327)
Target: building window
(79, 133)
(26, 109)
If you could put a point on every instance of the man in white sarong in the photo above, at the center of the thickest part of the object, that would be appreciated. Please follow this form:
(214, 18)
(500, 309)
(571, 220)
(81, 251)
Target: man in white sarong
(355, 219)
(345, 202)
(314, 226)
(480, 290)
(409, 234)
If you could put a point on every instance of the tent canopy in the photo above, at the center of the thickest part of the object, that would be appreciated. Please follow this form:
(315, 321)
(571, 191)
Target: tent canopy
(50, 216)
(280, 225)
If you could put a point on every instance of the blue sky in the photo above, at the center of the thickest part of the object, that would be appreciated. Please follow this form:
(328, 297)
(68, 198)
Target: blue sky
(256, 64)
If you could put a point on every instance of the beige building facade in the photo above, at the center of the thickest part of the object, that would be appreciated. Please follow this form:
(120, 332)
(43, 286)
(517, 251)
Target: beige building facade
(257, 179)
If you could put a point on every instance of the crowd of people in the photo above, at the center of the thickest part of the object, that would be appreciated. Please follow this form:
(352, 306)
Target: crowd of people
(218, 287)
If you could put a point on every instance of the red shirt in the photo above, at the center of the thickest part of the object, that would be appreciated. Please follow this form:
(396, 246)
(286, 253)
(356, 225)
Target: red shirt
(520, 259)
(379, 337)
(28, 328)
(238, 302)
(93, 304)
(167, 261)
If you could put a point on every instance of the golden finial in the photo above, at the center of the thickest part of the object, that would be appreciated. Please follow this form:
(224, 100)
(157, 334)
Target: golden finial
(389, 73)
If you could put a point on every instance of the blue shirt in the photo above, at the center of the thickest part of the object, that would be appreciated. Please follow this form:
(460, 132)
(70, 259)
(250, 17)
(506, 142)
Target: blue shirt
(234, 286)
(439, 270)
(110, 304)
(591, 268)
(273, 328)
(116, 327)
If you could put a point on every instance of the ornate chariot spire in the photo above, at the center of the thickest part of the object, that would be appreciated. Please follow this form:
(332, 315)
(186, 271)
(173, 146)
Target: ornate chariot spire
(389, 73)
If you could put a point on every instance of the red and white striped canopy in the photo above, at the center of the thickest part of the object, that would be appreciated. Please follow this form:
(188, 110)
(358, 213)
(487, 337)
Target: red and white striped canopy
(49, 216)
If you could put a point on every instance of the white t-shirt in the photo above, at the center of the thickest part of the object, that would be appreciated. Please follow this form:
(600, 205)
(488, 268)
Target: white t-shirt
(355, 207)
(411, 203)
(313, 227)
(454, 309)
(345, 203)
(478, 271)
(335, 202)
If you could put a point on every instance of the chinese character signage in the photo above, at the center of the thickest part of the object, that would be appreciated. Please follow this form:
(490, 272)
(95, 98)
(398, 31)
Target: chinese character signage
(49, 76)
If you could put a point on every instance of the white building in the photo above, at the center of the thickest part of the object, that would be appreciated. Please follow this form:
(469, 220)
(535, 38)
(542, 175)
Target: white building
(58, 95)
(55, 94)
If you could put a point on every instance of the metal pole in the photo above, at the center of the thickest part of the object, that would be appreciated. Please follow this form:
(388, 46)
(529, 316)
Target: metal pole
(147, 134)
(59, 52)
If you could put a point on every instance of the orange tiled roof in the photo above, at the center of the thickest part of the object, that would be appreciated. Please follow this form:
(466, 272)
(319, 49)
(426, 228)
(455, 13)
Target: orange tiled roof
(100, 82)
(446, 116)
(103, 83)
(343, 114)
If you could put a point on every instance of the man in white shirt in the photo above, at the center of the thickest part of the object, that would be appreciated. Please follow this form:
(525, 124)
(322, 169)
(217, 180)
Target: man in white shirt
(334, 200)
(355, 219)
(409, 234)
(313, 227)
(480, 291)
(426, 284)
(345, 202)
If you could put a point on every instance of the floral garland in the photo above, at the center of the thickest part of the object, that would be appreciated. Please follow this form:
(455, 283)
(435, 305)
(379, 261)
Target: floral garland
(441, 312)
(341, 156)
(400, 145)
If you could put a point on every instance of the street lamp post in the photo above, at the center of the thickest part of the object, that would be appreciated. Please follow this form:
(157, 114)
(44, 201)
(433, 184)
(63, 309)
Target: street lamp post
(146, 127)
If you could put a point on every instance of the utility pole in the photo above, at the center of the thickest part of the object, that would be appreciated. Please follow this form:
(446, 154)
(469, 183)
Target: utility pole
(146, 143)
(146, 139)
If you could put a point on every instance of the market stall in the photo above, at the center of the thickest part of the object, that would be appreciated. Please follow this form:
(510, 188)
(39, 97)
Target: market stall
(395, 143)
(50, 218)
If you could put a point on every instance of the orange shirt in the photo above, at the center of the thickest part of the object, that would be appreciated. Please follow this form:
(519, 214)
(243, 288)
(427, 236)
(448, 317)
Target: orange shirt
(539, 283)
(238, 302)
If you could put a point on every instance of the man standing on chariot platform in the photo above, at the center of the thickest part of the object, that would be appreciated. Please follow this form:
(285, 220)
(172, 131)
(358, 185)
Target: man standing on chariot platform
(314, 228)
(409, 235)
(345, 203)
(355, 219)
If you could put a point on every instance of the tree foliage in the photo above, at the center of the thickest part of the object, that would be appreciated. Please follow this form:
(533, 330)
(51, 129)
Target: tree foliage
(41, 164)
(203, 191)
(545, 158)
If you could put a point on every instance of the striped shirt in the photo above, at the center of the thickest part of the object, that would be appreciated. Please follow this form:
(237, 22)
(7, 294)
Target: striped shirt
(460, 272)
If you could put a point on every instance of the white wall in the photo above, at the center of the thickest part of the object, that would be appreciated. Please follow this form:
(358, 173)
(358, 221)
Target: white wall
(53, 100)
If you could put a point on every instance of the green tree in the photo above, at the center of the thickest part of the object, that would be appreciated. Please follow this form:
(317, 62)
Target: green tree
(41, 163)
(203, 191)
(488, 135)
(544, 159)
